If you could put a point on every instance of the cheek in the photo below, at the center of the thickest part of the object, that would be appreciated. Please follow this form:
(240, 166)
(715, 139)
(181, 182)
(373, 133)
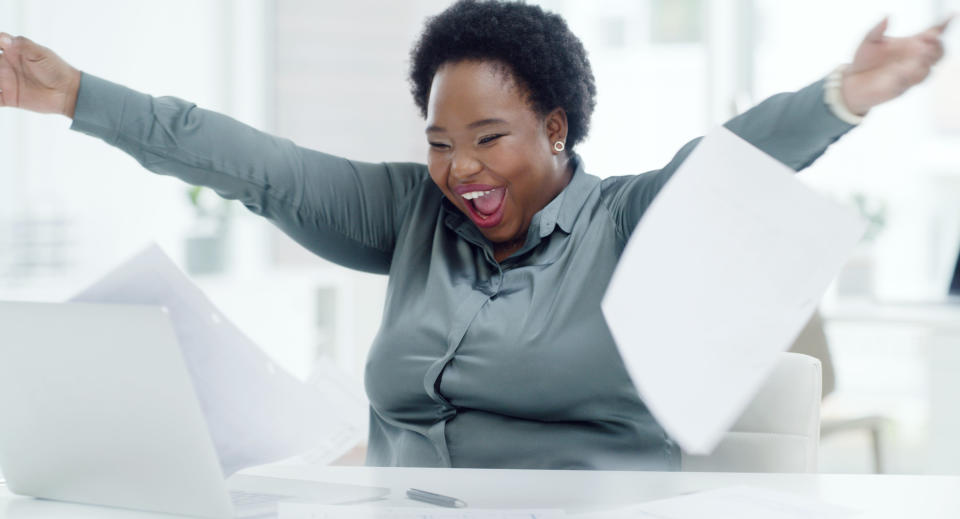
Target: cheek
(513, 164)
(507, 161)
(438, 169)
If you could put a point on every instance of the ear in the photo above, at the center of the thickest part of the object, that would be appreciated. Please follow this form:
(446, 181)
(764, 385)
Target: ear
(555, 124)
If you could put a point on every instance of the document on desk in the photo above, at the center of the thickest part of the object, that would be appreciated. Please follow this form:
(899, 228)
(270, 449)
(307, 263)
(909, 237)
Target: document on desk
(256, 412)
(730, 503)
(722, 272)
(291, 510)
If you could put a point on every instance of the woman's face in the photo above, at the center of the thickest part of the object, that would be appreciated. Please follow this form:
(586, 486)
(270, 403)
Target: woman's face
(490, 153)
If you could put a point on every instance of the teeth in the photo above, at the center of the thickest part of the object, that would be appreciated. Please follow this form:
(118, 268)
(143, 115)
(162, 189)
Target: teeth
(476, 194)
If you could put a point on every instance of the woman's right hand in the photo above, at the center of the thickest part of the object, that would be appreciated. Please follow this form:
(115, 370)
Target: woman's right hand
(32, 77)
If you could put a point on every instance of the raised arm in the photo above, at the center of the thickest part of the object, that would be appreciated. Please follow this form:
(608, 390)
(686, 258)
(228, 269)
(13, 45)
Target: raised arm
(796, 128)
(345, 211)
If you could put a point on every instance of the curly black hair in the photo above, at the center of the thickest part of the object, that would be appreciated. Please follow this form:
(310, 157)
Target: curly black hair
(537, 47)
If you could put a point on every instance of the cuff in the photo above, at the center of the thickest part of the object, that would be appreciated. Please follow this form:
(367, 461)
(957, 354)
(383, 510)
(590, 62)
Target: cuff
(833, 97)
(100, 108)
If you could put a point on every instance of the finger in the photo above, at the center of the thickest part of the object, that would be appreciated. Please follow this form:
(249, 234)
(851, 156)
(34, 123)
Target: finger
(8, 44)
(919, 73)
(925, 51)
(907, 75)
(8, 84)
(8, 76)
(876, 34)
(912, 48)
(942, 26)
(29, 49)
(919, 51)
(935, 53)
(936, 31)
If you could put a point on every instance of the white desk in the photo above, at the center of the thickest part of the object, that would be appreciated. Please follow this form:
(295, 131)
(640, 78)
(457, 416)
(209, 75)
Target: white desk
(582, 491)
(941, 317)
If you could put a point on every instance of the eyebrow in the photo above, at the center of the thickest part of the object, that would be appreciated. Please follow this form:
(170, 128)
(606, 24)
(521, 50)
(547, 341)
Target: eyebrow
(474, 124)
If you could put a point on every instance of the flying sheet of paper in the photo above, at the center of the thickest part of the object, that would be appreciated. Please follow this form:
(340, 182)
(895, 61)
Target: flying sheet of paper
(720, 275)
(291, 510)
(731, 503)
(256, 412)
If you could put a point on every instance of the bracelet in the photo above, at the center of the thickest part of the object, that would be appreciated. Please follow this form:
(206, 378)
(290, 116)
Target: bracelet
(833, 97)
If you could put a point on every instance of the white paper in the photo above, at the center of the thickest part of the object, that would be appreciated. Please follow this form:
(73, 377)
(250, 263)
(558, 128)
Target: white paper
(720, 275)
(731, 503)
(348, 411)
(256, 411)
(290, 510)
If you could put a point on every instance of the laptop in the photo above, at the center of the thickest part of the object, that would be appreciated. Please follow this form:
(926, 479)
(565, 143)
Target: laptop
(953, 292)
(97, 407)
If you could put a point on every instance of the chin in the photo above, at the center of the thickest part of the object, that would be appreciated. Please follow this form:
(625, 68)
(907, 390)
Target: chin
(499, 235)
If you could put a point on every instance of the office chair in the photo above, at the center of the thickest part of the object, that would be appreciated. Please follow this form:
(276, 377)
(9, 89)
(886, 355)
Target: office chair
(813, 341)
(780, 429)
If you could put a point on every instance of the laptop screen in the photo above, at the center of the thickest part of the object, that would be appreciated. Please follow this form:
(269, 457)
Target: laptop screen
(955, 280)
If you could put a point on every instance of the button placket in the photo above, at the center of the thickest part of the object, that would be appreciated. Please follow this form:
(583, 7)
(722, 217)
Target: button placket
(445, 410)
(469, 309)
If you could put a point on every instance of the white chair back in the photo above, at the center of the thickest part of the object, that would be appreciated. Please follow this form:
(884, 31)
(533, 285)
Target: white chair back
(780, 429)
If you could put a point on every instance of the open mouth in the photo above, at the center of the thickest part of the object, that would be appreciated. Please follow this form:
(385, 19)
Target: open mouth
(485, 205)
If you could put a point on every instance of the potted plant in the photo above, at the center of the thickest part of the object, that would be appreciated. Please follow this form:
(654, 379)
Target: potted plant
(207, 239)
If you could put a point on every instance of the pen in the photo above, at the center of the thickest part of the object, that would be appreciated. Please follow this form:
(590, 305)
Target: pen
(435, 499)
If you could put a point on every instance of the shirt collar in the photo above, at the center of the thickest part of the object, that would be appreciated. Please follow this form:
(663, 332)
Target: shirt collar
(562, 211)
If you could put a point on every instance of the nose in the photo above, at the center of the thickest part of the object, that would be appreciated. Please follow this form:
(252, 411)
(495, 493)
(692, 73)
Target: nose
(464, 165)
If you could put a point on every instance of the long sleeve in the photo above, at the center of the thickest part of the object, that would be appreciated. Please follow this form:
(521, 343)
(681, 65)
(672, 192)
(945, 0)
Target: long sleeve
(794, 128)
(346, 211)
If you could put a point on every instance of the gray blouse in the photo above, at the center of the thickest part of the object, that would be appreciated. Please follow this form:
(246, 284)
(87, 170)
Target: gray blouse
(476, 363)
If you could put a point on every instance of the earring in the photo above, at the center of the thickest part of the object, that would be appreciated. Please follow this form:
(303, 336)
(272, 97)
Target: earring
(559, 146)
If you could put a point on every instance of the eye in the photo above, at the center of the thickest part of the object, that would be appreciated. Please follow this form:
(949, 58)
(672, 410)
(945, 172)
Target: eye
(490, 138)
(438, 145)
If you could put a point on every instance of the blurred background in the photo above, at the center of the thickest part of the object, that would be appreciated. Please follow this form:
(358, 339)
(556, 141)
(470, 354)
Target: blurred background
(332, 76)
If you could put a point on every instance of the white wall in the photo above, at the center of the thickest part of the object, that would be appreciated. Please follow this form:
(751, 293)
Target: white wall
(109, 203)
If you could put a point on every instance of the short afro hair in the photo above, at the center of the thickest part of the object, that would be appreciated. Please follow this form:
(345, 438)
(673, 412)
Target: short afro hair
(540, 52)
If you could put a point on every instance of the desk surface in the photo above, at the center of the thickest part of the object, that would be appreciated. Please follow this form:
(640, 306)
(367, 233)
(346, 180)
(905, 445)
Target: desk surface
(944, 315)
(887, 496)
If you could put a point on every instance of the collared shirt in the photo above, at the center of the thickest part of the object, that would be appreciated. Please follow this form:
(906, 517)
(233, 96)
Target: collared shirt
(477, 363)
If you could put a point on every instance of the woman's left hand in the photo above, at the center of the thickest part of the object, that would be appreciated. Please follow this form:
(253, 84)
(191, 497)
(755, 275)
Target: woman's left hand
(885, 67)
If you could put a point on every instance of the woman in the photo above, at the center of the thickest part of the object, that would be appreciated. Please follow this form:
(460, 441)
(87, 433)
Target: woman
(492, 351)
